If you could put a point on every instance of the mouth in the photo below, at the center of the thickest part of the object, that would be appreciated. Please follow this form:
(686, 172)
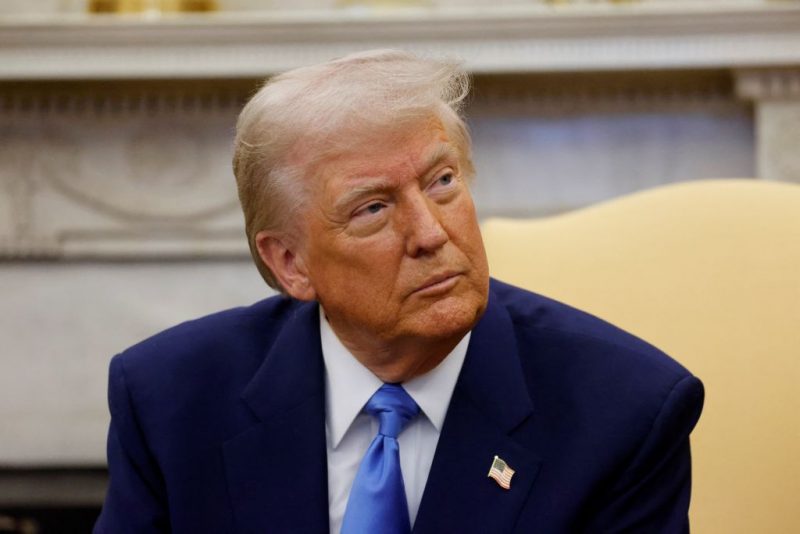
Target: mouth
(436, 285)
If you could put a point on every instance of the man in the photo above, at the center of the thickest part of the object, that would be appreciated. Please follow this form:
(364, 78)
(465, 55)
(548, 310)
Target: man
(392, 376)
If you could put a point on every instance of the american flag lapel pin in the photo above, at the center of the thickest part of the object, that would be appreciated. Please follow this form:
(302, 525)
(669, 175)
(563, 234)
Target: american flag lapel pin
(501, 472)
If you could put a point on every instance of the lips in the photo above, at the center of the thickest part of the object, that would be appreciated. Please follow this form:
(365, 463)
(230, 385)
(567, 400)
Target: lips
(442, 281)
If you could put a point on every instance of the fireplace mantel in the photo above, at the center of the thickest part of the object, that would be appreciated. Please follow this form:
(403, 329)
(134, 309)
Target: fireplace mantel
(508, 39)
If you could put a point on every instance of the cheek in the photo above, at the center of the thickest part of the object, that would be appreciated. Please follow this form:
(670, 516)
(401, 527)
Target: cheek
(463, 227)
(358, 268)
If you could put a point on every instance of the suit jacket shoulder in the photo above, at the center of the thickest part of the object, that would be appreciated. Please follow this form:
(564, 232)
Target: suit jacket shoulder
(234, 337)
(180, 397)
(581, 352)
(611, 418)
(556, 320)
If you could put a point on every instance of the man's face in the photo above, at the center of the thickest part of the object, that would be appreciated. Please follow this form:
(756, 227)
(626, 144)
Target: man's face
(392, 246)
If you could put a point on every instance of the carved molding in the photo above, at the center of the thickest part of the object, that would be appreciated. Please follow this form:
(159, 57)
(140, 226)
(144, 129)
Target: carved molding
(776, 96)
(567, 93)
(768, 84)
(151, 172)
(132, 98)
(128, 100)
(98, 172)
(778, 137)
(17, 184)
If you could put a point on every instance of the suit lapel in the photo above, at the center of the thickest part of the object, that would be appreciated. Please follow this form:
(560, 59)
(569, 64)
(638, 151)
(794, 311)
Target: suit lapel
(277, 469)
(490, 400)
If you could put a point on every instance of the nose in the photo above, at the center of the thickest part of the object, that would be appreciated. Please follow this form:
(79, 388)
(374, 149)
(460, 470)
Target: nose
(425, 233)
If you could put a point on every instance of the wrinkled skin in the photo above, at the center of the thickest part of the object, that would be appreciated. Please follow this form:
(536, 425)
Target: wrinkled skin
(392, 250)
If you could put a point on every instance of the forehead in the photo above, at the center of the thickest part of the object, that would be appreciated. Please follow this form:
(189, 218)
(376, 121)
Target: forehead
(398, 155)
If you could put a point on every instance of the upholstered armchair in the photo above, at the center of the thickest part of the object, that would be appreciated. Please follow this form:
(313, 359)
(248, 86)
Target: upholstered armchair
(708, 271)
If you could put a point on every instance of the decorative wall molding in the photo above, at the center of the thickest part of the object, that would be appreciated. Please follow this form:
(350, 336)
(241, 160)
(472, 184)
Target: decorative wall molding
(510, 38)
(768, 84)
(778, 139)
(575, 93)
(124, 98)
(776, 97)
(89, 171)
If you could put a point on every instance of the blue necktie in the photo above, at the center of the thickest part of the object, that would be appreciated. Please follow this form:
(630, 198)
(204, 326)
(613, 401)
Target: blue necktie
(377, 502)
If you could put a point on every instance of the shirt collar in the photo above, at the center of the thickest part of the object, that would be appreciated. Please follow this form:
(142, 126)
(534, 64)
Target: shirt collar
(349, 385)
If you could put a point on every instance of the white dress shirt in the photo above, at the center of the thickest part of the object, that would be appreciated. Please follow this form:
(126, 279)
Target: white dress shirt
(349, 432)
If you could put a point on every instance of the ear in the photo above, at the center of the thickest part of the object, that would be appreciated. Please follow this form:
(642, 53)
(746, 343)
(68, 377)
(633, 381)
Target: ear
(279, 253)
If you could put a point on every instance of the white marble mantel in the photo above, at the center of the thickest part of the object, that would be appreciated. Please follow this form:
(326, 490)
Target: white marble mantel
(502, 38)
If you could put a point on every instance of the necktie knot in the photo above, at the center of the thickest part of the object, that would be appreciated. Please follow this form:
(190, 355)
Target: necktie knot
(393, 407)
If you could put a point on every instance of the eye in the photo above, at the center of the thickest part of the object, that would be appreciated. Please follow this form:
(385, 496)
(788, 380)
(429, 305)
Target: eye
(444, 183)
(375, 207)
(445, 179)
(370, 209)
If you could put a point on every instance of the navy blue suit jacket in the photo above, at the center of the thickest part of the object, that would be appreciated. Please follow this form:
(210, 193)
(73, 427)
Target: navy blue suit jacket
(218, 426)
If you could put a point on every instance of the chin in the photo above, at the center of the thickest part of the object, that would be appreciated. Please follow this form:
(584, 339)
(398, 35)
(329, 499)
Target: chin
(449, 317)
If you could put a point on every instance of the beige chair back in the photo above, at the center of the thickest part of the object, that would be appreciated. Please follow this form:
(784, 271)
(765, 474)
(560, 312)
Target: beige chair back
(708, 271)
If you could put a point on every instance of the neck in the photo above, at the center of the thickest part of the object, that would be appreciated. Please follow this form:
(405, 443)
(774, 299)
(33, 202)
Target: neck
(400, 360)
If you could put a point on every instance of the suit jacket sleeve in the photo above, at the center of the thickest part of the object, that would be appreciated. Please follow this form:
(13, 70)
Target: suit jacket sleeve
(652, 494)
(135, 500)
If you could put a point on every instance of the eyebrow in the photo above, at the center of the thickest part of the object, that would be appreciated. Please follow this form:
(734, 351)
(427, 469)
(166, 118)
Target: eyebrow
(442, 152)
(377, 184)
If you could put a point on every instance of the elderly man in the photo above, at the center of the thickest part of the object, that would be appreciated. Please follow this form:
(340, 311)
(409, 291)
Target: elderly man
(392, 386)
